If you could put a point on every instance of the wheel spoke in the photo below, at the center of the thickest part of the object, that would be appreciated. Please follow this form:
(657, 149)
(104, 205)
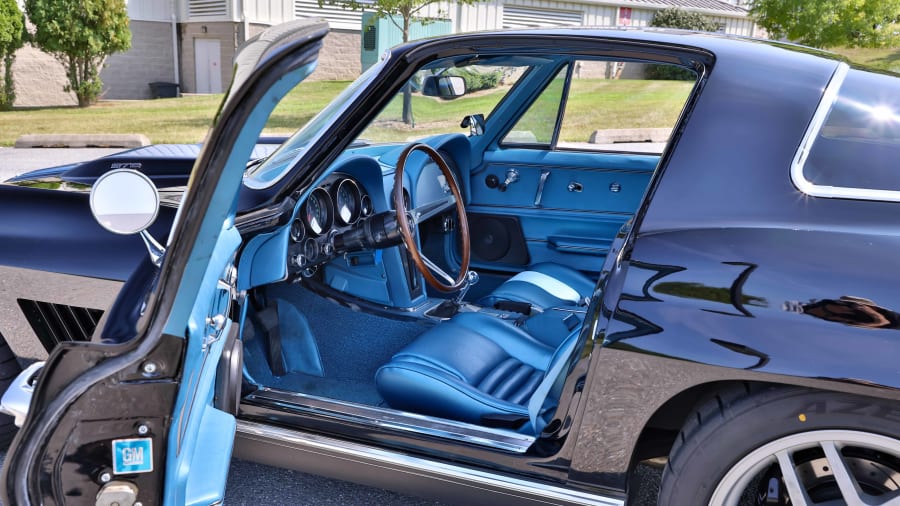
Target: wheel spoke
(432, 208)
(845, 481)
(437, 270)
(795, 489)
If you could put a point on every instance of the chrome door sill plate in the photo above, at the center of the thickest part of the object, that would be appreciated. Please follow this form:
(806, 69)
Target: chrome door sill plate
(460, 479)
(391, 419)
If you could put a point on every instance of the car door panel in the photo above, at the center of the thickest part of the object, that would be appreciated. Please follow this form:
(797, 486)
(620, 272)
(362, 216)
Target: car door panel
(569, 205)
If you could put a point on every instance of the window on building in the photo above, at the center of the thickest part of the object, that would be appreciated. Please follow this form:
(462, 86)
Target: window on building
(515, 16)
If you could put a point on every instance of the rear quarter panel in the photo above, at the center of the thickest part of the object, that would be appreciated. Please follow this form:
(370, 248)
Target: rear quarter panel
(732, 274)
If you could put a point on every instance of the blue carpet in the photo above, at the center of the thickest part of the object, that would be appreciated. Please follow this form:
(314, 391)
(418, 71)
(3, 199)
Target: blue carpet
(351, 347)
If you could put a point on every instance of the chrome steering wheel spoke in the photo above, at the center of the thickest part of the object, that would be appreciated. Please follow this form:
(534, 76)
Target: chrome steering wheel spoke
(437, 270)
(433, 208)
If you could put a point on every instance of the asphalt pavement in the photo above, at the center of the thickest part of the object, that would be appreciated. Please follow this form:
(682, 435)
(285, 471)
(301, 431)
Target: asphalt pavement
(251, 483)
(14, 162)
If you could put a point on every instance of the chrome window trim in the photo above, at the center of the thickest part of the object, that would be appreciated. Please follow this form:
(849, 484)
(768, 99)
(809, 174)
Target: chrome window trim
(420, 466)
(829, 97)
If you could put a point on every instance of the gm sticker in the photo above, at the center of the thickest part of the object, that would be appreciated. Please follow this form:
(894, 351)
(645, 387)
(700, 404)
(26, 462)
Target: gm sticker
(132, 455)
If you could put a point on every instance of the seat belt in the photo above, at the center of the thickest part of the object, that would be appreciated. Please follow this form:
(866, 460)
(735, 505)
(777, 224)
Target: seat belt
(539, 397)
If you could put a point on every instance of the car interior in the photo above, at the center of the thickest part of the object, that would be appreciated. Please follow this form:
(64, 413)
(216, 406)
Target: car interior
(437, 277)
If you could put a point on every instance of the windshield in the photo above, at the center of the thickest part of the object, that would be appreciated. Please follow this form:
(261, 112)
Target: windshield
(274, 167)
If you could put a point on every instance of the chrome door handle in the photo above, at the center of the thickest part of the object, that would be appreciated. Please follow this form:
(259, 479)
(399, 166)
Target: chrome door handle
(545, 174)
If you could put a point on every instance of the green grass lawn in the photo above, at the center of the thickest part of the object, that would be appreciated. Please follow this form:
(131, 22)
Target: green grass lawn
(171, 120)
(883, 58)
(594, 104)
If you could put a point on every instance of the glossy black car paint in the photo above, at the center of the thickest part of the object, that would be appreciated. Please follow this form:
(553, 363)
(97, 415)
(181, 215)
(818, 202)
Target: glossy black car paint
(728, 273)
(48, 225)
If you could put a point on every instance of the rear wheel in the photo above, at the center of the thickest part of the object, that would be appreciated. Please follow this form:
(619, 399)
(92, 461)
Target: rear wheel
(786, 446)
(9, 369)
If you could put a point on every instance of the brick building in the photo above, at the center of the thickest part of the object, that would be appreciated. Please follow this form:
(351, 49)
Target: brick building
(192, 42)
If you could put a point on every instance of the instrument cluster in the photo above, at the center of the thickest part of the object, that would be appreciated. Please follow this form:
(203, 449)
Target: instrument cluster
(332, 208)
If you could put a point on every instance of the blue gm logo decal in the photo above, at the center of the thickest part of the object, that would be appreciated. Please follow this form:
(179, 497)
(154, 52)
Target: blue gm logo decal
(132, 455)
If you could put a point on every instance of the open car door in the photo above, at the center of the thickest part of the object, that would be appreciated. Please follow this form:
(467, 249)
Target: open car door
(134, 416)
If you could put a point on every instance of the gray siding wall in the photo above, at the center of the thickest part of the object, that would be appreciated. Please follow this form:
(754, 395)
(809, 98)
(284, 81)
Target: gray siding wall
(339, 58)
(128, 75)
(40, 79)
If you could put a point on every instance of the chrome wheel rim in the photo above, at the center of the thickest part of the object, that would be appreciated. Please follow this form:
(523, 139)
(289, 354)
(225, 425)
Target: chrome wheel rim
(826, 467)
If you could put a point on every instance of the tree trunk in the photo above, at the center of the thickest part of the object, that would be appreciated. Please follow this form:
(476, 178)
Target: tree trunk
(407, 89)
(8, 91)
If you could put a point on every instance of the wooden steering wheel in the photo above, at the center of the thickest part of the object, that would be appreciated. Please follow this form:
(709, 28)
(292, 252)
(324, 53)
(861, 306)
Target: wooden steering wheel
(409, 219)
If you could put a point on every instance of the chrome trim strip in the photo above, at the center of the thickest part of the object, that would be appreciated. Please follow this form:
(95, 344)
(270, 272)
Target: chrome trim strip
(391, 419)
(478, 209)
(401, 463)
(809, 138)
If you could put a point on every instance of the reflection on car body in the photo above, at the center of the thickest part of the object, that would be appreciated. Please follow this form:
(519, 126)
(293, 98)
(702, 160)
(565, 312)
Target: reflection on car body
(507, 310)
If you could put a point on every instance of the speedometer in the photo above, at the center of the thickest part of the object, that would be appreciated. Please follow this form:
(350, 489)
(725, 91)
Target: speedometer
(318, 212)
(348, 203)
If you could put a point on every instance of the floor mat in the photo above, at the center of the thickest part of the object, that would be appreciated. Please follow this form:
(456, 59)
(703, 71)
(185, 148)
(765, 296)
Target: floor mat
(352, 346)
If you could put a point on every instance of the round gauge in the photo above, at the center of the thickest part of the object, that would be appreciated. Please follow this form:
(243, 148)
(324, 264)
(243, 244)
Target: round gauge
(365, 206)
(298, 230)
(317, 212)
(310, 250)
(347, 202)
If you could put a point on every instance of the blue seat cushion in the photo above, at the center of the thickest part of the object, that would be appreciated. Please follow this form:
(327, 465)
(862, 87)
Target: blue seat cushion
(468, 368)
(480, 369)
(543, 286)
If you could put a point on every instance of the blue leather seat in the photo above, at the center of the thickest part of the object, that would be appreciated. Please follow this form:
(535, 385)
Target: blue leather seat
(543, 286)
(479, 369)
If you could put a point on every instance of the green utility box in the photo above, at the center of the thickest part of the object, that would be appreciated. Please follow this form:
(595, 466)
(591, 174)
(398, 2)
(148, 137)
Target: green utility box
(379, 35)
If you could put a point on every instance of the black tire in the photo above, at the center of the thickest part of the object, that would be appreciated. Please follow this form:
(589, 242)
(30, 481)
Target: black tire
(727, 446)
(9, 369)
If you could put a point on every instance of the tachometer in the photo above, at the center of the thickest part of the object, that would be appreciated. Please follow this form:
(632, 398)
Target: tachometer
(318, 212)
(347, 198)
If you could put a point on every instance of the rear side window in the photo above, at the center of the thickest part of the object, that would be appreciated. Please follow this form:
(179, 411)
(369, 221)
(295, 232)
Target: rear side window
(856, 152)
(606, 106)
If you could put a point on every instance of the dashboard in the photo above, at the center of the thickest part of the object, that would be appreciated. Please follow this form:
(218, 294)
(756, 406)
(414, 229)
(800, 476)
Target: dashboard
(344, 236)
(332, 208)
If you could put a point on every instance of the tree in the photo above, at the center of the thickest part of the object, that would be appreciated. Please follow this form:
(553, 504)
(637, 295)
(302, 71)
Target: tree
(830, 23)
(12, 37)
(408, 11)
(81, 34)
(685, 20)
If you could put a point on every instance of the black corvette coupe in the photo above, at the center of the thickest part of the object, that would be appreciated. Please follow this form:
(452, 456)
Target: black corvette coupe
(498, 268)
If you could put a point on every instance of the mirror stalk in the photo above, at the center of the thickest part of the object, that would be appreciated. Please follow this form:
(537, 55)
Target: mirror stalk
(155, 249)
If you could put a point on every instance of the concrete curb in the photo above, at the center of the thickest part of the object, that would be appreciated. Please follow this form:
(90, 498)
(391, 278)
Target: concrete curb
(82, 141)
(614, 136)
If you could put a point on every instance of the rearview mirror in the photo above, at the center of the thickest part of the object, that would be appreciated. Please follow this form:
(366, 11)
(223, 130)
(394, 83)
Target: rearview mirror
(446, 87)
(124, 201)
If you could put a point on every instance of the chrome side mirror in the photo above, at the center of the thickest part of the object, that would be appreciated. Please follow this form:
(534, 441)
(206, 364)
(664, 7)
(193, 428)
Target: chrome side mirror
(126, 202)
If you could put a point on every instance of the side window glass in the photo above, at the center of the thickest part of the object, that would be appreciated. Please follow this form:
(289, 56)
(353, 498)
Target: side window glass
(858, 146)
(623, 106)
(536, 126)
